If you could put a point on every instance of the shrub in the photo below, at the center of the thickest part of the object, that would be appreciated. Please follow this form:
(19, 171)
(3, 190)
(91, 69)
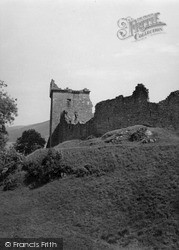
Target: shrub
(68, 170)
(86, 170)
(10, 165)
(138, 135)
(92, 169)
(10, 160)
(47, 165)
(81, 172)
(10, 183)
(50, 169)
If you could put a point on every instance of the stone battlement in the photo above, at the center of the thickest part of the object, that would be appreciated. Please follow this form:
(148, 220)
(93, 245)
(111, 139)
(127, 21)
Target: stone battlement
(55, 88)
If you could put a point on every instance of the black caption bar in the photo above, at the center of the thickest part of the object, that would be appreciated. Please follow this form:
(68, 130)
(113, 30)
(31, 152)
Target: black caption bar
(31, 243)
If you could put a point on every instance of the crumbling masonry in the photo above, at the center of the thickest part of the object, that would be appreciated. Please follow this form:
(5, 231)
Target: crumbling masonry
(72, 118)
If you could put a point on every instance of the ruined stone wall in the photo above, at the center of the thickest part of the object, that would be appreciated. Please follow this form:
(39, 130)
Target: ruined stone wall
(68, 131)
(127, 111)
(77, 105)
(122, 112)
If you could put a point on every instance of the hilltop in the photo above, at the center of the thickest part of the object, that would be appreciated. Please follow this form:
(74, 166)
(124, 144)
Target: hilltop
(131, 204)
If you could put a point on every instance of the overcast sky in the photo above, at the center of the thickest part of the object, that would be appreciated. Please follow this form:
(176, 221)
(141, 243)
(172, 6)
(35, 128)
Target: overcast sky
(75, 43)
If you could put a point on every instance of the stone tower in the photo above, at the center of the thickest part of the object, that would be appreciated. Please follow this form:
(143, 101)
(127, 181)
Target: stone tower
(75, 103)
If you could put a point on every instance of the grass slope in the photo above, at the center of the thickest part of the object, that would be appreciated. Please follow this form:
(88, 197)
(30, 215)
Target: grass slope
(132, 205)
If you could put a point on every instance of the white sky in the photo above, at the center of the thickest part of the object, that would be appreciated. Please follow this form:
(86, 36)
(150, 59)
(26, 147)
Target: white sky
(75, 43)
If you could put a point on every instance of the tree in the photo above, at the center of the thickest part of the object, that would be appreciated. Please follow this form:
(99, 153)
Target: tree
(8, 112)
(29, 142)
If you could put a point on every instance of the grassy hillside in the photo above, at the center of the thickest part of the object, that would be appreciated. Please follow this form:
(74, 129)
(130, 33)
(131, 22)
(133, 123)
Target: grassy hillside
(132, 204)
(16, 131)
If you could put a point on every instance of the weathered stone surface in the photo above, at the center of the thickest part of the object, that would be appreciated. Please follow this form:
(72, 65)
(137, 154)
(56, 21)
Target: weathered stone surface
(76, 103)
(119, 113)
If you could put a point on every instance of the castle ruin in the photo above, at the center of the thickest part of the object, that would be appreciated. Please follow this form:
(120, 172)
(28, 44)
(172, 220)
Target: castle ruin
(75, 103)
(72, 118)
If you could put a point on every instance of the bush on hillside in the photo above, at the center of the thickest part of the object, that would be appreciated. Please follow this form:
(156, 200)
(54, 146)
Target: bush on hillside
(92, 169)
(30, 141)
(81, 172)
(49, 169)
(44, 166)
(10, 164)
(10, 183)
(10, 160)
(138, 135)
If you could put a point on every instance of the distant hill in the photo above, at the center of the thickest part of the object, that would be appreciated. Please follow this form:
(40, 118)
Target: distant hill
(16, 131)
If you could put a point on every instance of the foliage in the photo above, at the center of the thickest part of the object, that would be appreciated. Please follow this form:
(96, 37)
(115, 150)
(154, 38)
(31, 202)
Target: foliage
(3, 137)
(30, 141)
(138, 135)
(47, 165)
(48, 170)
(10, 163)
(10, 159)
(92, 169)
(10, 183)
(8, 111)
